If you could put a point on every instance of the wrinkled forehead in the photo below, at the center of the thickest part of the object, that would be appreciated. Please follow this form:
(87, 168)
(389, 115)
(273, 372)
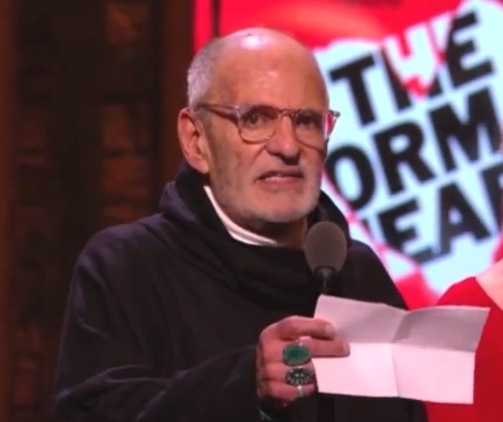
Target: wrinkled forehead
(257, 72)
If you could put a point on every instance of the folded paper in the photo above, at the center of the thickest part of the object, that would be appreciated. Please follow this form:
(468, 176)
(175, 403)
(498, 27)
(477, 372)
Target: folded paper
(427, 354)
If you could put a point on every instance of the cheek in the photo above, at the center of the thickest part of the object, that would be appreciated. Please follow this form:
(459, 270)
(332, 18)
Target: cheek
(233, 159)
(230, 165)
(315, 162)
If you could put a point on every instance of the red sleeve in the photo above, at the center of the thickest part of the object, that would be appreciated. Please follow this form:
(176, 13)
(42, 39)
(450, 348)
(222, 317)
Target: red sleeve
(488, 365)
(498, 250)
(465, 292)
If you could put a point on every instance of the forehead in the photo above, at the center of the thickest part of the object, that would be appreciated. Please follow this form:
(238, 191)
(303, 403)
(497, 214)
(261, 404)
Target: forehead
(278, 75)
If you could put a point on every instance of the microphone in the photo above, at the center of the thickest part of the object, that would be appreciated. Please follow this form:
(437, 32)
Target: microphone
(326, 250)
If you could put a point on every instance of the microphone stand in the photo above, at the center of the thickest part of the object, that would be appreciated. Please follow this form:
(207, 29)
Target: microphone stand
(326, 409)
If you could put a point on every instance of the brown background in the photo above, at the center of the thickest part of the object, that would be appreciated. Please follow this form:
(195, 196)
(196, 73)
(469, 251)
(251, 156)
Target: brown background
(89, 92)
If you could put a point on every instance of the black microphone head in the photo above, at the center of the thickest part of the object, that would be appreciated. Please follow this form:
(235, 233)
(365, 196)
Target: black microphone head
(325, 246)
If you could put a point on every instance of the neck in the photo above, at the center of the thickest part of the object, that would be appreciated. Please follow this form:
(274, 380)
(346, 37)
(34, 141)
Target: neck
(289, 235)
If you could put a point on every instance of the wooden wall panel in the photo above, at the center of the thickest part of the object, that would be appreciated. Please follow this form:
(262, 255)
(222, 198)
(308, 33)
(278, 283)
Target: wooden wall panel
(130, 111)
(7, 67)
(57, 144)
(177, 51)
(32, 241)
(90, 143)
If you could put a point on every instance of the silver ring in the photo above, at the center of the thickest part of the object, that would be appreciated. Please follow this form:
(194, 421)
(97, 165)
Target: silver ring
(300, 391)
(299, 375)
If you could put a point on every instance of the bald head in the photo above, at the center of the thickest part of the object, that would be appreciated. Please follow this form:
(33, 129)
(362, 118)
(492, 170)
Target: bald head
(222, 61)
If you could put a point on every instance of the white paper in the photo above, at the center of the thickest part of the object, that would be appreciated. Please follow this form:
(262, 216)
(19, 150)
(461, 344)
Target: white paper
(427, 354)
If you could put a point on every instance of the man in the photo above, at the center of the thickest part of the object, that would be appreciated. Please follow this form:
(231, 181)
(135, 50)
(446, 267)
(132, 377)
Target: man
(204, 311)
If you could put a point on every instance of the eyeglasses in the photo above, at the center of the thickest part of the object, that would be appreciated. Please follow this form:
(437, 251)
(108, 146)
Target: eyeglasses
(258, 122)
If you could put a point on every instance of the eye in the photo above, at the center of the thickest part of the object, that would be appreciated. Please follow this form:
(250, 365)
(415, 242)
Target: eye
(310, 119)
(258, 115)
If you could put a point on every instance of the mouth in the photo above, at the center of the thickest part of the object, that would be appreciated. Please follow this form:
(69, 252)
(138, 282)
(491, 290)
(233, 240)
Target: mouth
(281, 176)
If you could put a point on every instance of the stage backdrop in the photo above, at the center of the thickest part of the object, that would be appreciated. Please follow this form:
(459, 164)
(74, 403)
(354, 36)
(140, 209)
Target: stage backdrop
(415, 159)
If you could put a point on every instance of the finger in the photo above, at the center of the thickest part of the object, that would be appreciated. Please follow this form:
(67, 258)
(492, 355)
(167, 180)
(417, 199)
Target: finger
(271, 372)
(294, 327)
(284, 392)
(278, 371)
(327, 348)
(271, 352)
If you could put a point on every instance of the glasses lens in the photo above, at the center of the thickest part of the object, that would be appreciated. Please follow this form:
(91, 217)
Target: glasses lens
(311, 126)
(330, 120)
(258, 122)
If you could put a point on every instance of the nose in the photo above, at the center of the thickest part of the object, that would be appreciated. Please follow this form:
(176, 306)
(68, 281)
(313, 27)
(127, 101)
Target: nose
(284, 142)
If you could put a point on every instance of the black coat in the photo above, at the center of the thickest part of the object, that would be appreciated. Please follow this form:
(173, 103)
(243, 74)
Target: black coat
(164, 313)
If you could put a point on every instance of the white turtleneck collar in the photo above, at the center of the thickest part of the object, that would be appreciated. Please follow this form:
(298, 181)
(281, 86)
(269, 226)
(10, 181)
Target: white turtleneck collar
(237, 232)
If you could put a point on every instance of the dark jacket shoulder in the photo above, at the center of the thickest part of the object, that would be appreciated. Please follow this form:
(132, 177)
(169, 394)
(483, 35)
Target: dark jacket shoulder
(364, 277)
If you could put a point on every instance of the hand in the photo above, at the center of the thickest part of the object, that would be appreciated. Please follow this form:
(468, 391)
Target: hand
(316, 335)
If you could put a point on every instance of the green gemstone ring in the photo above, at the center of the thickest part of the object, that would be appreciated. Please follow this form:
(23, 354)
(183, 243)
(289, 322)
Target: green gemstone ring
(295, 354)
(299, 376)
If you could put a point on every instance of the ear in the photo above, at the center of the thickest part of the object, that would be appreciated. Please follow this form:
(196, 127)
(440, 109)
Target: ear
(193, 141)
